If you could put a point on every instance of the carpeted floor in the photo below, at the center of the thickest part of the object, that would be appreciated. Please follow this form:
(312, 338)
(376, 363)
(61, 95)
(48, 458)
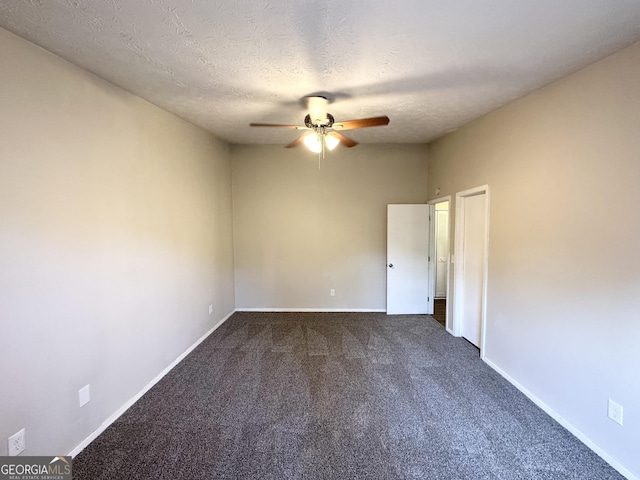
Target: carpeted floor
(335, 396)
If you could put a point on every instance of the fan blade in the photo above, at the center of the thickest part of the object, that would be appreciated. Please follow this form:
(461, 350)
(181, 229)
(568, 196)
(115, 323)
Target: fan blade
(277, 125)
(362, 123)
(296, 142)
(344, 140)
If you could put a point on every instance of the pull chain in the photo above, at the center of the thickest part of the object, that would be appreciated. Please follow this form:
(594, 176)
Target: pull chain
(321, 152)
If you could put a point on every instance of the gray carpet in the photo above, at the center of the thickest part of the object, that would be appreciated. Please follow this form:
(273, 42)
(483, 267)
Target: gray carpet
(336, 396)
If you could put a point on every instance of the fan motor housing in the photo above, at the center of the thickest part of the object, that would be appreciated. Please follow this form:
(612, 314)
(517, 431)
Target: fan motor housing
(308, 124)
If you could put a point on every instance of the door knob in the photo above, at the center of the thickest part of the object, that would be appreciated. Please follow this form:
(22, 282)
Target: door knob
(391, 265)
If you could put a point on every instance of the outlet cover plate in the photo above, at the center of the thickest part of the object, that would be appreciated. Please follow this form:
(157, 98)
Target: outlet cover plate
(615, 412)
(84, 395)
(17, 443)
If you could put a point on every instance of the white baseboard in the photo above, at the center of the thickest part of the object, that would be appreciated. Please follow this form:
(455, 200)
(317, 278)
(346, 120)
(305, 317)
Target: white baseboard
(562, 421)
(82, 445)
(318, 310)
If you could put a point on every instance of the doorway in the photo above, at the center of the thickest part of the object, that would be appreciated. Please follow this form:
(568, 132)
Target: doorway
(470, 267)
(440, 251)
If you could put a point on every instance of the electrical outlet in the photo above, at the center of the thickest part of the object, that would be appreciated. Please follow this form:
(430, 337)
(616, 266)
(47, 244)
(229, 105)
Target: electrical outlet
(333, 292)
(17, 443)
(615, 412)
(210, 308)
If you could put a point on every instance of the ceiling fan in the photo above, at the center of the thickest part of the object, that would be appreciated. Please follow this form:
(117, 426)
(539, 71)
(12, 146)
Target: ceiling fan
(325, 131)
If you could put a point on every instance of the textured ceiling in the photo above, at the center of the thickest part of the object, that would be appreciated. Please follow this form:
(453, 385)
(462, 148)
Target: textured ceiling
(431, 66)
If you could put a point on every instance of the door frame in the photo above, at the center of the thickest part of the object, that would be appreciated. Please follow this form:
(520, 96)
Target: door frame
(432, 253)
(458, 275)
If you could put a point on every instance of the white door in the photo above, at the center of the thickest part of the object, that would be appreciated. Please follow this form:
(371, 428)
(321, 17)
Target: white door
(471, 234)
(408, 259)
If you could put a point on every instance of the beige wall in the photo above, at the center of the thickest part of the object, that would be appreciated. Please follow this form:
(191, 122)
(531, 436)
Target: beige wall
(300, 231)
(115, 236)
(563, 166)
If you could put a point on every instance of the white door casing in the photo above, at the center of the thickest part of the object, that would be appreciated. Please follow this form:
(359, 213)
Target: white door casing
(408, 229)
(471, 252)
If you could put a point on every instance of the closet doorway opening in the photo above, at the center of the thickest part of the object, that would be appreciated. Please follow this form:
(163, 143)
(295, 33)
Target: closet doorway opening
(440, 258)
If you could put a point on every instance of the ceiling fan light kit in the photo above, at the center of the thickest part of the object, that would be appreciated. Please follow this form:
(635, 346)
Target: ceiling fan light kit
(324, 131)
(316, 141)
